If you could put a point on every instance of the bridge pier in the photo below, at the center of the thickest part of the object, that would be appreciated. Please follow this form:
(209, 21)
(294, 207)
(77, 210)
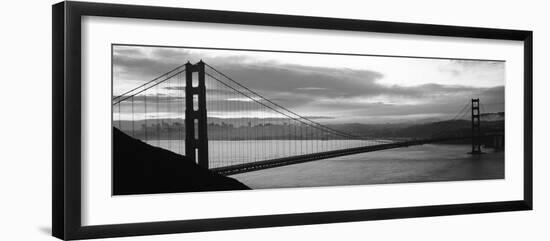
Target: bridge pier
(196, 136)
(476, 128)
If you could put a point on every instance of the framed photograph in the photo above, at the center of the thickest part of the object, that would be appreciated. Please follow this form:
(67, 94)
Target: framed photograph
(169, 120)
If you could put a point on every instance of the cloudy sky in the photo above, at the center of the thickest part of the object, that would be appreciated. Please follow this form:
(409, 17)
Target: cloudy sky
(340, 88)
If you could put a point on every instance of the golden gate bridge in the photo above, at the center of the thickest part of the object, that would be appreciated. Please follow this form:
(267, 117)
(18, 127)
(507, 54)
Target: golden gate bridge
(197, 111)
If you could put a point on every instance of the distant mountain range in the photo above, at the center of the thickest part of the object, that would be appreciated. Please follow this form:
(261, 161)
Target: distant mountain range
(236, 122)
(499, 116)
(275, 128)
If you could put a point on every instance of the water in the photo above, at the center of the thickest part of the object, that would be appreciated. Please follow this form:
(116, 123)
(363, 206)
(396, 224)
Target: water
(426, 163)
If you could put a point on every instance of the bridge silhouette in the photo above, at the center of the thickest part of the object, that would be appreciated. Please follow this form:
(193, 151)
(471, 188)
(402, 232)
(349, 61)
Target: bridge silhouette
(198, 111)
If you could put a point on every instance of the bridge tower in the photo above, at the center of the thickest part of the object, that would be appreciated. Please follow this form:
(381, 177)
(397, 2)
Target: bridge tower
(196, 136)
(476, 127)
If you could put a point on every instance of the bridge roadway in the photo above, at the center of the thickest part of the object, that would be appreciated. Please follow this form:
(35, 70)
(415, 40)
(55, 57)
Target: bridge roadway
(254, 166)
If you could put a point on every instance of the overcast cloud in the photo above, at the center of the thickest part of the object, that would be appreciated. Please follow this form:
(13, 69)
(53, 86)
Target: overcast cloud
(384, 90)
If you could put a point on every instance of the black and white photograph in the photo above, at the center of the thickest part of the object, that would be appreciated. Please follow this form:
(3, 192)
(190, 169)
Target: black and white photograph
(192, 119)
(275, 120)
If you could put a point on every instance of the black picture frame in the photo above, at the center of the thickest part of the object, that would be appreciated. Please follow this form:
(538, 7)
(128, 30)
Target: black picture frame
(66, 128)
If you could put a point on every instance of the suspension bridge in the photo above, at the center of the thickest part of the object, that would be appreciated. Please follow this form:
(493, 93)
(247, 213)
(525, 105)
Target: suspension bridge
(198, 111)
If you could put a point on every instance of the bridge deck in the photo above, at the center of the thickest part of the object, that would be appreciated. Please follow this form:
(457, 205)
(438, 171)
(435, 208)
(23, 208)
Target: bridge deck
(253, 166)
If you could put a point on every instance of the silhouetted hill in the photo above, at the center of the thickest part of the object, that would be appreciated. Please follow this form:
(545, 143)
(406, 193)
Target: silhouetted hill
(139, 168)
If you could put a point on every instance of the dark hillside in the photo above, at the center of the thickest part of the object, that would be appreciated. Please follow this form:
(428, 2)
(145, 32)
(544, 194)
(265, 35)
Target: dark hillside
(139, 168)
